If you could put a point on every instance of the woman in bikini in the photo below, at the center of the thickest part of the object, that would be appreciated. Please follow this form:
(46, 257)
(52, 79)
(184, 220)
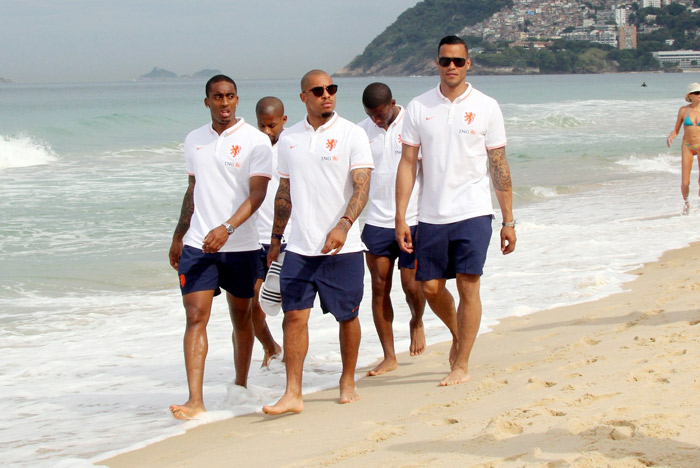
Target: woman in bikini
(689, 118)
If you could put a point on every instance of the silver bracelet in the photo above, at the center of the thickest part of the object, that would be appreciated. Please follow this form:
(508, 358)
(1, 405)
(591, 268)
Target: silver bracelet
(511, 224)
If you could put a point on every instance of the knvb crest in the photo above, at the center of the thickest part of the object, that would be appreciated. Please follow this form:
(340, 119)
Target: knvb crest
(235, 150)
(469, 117)
(331, 144)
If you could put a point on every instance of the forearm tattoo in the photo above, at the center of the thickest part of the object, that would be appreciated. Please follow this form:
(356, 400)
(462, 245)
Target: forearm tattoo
(498, 167)
(283, 207)
(360, 193)
(186, 211)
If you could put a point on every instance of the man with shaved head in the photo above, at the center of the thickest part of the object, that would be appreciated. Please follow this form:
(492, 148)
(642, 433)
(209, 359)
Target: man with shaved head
(324, 167)
(383, 127)
(271, 119)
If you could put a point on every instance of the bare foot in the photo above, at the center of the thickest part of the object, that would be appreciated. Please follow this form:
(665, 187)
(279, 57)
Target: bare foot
(457, 376)
(270, 356)
(387, 365)
(186, 411)
(286, 404)
(348, 394)
(417, 339)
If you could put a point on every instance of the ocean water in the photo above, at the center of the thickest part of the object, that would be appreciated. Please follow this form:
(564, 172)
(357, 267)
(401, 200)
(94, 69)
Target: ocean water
(91, 182)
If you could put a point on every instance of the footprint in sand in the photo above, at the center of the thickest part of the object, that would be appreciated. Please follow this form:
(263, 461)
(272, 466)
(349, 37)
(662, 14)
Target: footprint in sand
(503, 428)
(534, 382)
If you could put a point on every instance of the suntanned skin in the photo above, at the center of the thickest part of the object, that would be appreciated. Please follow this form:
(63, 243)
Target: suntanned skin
(691, 135)
(463, 321)
(271, 119)
(381, 270)
(295, 323)
(221, 100)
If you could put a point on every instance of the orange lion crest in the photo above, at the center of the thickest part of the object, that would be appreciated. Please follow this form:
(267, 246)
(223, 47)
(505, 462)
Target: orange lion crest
(235, 150)
(331, 144)
(469, 117)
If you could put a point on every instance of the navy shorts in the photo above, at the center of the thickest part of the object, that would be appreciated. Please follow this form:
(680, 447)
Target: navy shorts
(442, 250)
(382, 243)
(338, 279)
(235, 272)
(262, 267)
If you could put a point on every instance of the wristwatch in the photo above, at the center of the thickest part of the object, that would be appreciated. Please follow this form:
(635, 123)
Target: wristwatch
(229, 228)
(511, 224)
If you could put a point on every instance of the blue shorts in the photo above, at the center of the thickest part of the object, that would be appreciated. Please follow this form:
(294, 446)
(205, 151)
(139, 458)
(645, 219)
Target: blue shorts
(338, 279)
(262, 267)
(382, 243)
(442, 250)
(235, 272)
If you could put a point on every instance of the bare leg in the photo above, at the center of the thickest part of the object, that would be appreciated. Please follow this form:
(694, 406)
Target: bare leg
(686, 166)
(469, 319)
(262, 331)
(243, 336)
(380, 269)
(443, 304)
(296, 345)
(195, 344)
(416, 303)
(350, 334)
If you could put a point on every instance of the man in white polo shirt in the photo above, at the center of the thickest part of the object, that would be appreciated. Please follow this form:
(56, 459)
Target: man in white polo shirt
(383, 128)
(324, 166)
(215, 244)
(461, 135)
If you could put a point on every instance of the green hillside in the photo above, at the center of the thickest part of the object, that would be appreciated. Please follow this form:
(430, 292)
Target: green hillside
(409, 45)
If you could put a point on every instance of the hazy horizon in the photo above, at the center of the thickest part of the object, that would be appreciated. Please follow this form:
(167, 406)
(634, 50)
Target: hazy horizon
(86, 41)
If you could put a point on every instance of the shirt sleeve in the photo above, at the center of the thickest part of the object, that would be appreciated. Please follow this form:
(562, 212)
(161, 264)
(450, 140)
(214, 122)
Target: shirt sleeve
(189, 155)
(261, 158)
(360, 152)
(409, 130)
(496, 131)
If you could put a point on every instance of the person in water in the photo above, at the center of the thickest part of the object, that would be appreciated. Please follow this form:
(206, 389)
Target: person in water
(689, 118)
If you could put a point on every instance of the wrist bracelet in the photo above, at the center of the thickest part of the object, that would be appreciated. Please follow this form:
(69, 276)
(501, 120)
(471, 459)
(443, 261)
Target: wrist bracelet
(349, 220)
(510, 224)
(277, 236)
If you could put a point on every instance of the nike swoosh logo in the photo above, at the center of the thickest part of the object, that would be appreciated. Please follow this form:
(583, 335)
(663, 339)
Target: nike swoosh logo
(431, 117)
(292, 146)
(200, 148)
(372, 141)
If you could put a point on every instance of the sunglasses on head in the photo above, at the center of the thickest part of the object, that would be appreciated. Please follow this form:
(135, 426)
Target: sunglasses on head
(458, 61)
(318, 90)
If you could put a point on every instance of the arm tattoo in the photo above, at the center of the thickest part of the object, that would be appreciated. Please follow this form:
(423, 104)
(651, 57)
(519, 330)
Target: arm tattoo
(498, 167)
(283, 207)
(187, 209)
(360, 193)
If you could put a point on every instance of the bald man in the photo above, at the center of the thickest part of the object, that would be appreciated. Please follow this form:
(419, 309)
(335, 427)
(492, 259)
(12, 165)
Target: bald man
(324, 167)
(271, 119)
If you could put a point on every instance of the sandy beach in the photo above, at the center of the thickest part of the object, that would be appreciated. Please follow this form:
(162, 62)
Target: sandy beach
(615, 382)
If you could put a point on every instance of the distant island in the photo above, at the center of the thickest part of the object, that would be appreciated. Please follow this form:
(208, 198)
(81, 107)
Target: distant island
(5, 80)
(161, 74)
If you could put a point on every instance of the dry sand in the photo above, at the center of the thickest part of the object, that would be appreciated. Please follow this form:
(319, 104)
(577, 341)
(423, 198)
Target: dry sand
(615, 382)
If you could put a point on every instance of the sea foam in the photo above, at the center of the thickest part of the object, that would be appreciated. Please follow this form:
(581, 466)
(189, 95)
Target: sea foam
(24, 151)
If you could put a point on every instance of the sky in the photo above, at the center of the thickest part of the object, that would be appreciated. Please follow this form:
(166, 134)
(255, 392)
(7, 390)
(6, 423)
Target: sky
(115, 40)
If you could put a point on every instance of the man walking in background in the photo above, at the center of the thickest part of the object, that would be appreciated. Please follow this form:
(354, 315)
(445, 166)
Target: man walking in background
(383, 128)
(215, 243)
(461, 135)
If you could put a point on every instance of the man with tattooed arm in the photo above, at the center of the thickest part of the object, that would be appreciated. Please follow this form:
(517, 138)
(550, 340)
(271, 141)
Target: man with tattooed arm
(324, 163)
(461, 135)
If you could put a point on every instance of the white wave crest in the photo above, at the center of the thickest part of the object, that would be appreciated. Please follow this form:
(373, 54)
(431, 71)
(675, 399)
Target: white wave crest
(660, 163)
(544, 192)
(24, 151)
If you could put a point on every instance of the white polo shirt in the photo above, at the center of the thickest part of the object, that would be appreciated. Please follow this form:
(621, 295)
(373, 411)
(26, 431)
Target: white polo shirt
(454, 138)
(222, 166)
(319, 165)
(266, 212)
(386, 152)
